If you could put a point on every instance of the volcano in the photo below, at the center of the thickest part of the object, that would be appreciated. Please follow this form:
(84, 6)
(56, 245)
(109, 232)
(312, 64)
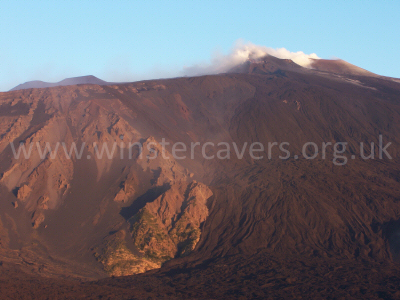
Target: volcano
(310, 211)
(37, 84)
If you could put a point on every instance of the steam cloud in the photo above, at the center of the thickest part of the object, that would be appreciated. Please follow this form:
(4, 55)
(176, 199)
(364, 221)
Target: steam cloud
(242, 52)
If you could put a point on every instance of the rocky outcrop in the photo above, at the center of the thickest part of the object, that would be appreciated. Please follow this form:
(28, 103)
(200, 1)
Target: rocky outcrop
(127, 189)
(41, 174)
(24, 192)
(118, 260)
(170, 226)
(159, 161)
(164, 229)
(37, 219)
(107, 135)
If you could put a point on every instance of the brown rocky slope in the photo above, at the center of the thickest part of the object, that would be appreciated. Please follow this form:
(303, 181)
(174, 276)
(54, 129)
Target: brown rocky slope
(253, 227)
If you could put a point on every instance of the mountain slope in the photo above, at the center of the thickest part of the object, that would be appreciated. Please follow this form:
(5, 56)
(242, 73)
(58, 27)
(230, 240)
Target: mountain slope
(339, 66)
(309, 212)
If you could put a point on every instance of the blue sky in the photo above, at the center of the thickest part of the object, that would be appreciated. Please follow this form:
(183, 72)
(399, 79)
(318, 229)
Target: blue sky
(133, 40)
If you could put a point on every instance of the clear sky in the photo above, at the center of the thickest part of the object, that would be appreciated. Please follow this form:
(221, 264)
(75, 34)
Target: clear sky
(133, 40)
